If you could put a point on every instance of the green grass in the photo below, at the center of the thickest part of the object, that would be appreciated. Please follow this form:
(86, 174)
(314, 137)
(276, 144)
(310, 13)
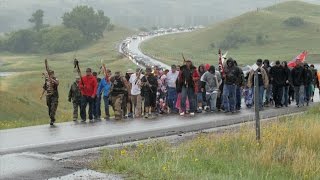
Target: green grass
(289, 149)
(283, 43)
(19, 94)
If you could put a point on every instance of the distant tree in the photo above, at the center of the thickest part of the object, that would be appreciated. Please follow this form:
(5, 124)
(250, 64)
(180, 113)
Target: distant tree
(261, 38)
(294, 21)
(144, 29)
(213, 45)
(61, 39)
(232, 40)
(37, 19)
(92, 24)
(154, 28)
(22, 41)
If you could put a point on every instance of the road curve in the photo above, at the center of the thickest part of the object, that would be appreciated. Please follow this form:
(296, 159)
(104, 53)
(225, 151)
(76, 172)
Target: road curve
(131, 48)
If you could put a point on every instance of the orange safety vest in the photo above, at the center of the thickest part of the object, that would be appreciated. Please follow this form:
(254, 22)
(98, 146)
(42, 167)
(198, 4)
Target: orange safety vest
(318, 74)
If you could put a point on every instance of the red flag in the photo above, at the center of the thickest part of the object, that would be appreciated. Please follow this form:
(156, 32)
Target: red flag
(300, 58)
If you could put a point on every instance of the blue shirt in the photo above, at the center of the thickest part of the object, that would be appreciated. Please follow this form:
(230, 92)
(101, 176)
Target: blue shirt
(104, 86)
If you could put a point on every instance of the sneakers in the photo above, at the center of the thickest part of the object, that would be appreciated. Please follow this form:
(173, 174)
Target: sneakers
(192, 114)
(182, 114)
(75, 119)
(51, 123)
(130, 115)
(146, 116)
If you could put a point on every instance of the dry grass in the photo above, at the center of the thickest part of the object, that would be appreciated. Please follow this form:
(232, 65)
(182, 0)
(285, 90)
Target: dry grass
(289, 149)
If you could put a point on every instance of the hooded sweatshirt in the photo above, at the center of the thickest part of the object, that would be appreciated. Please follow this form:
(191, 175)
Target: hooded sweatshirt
(90, 85)
(232, 73)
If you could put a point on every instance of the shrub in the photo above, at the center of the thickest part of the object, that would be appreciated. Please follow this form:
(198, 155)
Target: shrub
(21, 41)
(232, 40)
(294, 22)
(61, 39)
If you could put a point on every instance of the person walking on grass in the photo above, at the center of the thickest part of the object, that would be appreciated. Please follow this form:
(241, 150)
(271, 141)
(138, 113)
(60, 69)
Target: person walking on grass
(88, 86)
(105, 86)
(212, 81)
(50, 87)
(75, 97)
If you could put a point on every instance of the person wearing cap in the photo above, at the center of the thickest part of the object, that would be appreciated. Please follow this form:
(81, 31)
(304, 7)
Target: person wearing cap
(149, 91)
(105, 86)
(135, 85)
(171, 80)
(75, 97)
(88, 86)
(118, 90)
(188, 76)
(50, 86)
(127, 103)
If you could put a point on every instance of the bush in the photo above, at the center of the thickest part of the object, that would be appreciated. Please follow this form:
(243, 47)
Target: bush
(261, 38)
(61, 39)
(22, 41)
(232, 40)
(294, 21)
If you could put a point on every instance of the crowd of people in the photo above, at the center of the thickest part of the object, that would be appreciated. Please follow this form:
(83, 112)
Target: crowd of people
(185, 89)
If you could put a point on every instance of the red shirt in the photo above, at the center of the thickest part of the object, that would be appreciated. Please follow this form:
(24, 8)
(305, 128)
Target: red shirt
(90, 85)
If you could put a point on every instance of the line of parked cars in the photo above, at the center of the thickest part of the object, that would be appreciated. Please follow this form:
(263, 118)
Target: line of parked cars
(143, 61)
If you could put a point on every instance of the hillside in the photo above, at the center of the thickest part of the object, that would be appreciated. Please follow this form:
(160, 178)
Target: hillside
(14, 14)
(276, 39)
(19, 93)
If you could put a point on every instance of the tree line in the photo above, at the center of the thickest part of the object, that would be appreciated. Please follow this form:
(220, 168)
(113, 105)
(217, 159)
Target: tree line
(79, 27)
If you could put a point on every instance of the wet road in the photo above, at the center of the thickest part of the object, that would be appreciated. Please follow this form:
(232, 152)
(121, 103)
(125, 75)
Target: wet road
(73, 136)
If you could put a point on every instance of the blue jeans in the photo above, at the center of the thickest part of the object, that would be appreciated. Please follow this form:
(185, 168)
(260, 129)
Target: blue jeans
(188, 92)
(285, 97)
(238, 97)
(229, 97)
(308, 92)
(299, 95)
(106, 105)
(261, 93)
(97, 107)
(212, 101)
(172, 98)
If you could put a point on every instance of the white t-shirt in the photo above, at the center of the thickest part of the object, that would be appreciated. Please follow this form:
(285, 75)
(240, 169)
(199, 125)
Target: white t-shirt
(172, 78)
(135, 89)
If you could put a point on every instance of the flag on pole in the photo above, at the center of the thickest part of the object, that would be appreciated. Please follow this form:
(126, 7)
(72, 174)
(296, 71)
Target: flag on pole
(300, 58)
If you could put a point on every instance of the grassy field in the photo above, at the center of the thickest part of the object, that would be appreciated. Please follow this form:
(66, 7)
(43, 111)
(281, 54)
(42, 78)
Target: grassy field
(289, 149)
(282, 42)
(19, 93)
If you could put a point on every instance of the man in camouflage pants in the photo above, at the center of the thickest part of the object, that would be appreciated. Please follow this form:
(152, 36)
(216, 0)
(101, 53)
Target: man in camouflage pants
(75, 97)
(118, 89)
(51, 88)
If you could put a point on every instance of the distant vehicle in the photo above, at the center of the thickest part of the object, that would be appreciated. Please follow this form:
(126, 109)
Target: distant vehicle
(181, 29)
(134, 37)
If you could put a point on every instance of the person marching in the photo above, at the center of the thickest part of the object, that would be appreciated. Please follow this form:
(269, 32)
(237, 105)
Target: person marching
(97, 101)
(75, 97)
(149, 91)
(51, 88)
(212, 81)
(105, 86)
(118, 90)
(88, 86)
(135, 81)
